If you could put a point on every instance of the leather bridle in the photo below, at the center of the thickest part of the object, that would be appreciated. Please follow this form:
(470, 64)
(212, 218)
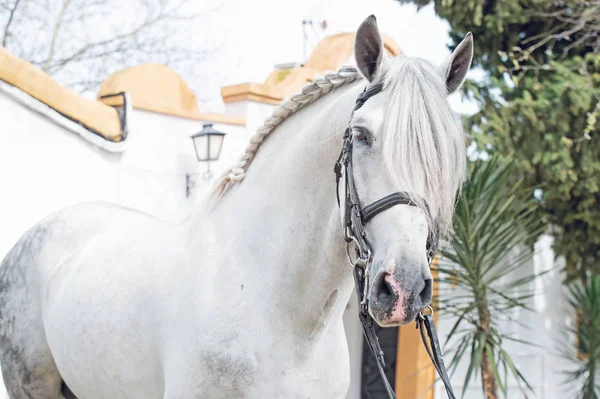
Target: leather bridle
(354, 218)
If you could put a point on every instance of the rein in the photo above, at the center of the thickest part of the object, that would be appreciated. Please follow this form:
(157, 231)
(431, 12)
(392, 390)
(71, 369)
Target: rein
(354, 219)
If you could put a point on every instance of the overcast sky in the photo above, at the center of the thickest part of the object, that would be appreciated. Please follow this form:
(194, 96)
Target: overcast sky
(257, 34)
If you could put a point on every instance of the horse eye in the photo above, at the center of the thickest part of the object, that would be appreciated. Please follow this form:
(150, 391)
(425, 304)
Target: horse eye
(361, 135)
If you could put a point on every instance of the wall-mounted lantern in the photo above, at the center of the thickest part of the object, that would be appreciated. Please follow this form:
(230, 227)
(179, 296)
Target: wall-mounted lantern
(207, 143)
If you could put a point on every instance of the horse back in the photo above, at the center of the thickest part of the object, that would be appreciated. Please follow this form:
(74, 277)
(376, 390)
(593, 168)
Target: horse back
(47, 244)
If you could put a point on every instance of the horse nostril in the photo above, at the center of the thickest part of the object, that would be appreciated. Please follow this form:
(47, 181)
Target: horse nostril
(385, 292)
(427, 292)
(387, 287)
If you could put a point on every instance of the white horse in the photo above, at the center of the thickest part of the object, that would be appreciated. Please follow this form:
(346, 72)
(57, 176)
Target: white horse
(246, 299)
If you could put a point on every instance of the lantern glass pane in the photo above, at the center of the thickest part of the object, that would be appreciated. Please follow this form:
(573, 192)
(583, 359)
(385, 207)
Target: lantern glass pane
(201, 146)
(215, 143)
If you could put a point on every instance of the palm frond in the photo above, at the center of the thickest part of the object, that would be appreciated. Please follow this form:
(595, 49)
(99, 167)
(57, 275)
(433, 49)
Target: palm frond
(494, 223)
(584, 302)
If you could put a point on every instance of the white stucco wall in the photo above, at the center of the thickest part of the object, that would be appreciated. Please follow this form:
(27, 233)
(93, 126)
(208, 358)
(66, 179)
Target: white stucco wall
(160, 152)
(44, 168)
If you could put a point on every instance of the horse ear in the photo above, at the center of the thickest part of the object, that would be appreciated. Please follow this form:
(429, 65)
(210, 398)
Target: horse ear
(368, 48)
(455, 70)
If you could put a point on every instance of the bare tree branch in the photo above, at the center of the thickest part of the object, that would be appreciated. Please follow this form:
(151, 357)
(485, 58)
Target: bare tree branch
(81, 42)
(10, 19)
(581, 17)
(55, 33)
(579, 25)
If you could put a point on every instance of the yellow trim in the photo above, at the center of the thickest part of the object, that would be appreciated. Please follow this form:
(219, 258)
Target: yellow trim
(333, 51)
(93, 115)
(157, 88)
(250, 96)
(415, 375)
(201, 116)
(258, 92)
(293, 81)
(219, 118)
(153, 87)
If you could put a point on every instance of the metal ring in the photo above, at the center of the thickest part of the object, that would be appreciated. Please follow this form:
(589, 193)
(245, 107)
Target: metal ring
(360, 260)
(347, 233)
(348, 254)
(430, 309)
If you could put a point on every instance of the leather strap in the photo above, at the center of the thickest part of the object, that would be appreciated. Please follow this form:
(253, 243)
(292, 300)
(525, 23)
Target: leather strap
(368, 327)
(383, 204)
(366, 94)
(399, 198)
(425, 322)
(371, 337)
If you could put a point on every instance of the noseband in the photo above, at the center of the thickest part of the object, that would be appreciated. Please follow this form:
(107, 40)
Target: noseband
(354, 218)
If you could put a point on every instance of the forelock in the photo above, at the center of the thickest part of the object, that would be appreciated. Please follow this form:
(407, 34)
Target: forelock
(422, 139)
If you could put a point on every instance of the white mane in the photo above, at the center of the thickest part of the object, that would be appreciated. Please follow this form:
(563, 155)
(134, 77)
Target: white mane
(423, 142)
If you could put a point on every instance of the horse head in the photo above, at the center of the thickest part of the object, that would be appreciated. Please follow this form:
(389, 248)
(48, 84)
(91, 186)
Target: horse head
(402, 138)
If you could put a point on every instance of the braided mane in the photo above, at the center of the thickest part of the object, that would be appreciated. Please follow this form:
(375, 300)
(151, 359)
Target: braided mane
(308, 95)
(422, 141)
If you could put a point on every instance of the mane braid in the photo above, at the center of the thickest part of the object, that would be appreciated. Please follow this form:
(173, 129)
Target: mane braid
(308, 95)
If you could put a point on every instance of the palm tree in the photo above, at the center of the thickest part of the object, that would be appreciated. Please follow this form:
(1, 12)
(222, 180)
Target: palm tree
(493, 217)
(584, 303)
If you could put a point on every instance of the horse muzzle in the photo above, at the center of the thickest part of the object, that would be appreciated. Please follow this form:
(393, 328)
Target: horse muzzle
(396, 300)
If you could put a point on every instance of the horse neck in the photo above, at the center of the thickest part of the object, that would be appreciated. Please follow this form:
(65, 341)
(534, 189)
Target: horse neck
(283, 219)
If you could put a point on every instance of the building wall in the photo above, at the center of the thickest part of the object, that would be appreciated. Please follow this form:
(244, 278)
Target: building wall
(46, 167)
(160, 152)
(43, 168)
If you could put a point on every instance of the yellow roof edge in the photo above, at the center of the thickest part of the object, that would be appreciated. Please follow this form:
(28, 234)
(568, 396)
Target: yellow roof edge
(196, 115)
(153, 87)
(258, 92)
(94, 116)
